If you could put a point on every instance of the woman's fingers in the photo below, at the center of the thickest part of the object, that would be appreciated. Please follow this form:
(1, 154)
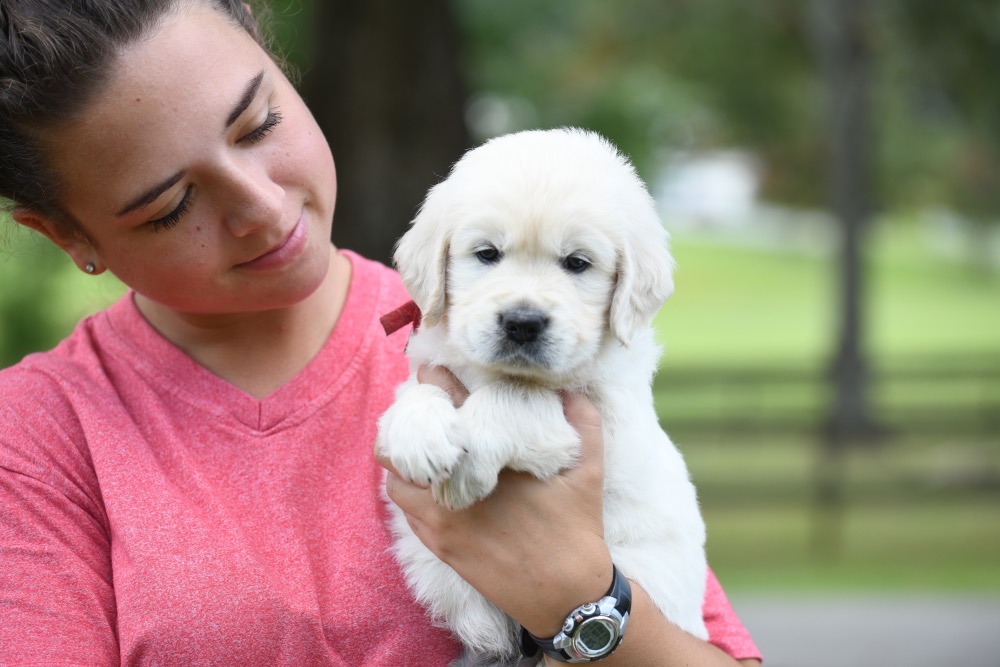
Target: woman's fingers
(443, 378)
(586, 420)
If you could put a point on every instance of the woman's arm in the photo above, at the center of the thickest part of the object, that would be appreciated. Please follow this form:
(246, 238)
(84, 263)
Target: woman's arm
(653, 640)
(56, 598)
(536, 549)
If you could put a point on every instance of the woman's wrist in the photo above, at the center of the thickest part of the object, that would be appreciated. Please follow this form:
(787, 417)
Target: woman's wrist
(578, 576)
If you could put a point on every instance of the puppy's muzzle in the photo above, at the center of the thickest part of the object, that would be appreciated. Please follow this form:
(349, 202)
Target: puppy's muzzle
(523, 326)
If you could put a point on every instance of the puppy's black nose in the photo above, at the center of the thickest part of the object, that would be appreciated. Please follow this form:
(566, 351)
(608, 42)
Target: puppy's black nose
(523, 325)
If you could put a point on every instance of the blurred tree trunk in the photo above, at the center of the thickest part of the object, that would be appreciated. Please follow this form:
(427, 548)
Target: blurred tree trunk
(842, 34)
(386, 87)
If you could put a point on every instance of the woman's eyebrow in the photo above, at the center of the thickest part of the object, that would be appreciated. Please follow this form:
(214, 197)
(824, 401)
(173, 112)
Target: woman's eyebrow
(248, 94)
(150, 195)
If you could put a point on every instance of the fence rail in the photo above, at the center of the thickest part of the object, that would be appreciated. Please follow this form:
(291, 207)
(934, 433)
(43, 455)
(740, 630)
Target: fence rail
(936, 396)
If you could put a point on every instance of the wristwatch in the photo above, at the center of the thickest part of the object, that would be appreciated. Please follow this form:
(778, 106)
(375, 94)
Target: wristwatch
(591, 632)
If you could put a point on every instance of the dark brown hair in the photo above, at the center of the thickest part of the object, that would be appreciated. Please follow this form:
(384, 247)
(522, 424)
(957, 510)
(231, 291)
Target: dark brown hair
(55, 55)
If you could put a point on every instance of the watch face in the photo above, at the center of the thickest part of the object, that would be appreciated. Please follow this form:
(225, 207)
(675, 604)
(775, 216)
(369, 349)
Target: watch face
(595, 636)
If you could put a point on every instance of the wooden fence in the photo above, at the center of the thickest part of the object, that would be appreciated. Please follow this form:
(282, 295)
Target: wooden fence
(959, 396)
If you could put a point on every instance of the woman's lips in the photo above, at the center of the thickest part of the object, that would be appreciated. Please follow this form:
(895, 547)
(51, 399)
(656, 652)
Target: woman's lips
(283, 254)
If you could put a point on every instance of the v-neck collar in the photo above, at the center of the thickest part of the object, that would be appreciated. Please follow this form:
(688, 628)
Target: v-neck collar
(180, 376)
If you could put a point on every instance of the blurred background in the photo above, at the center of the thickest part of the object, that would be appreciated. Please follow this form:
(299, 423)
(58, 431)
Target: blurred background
(830, 173)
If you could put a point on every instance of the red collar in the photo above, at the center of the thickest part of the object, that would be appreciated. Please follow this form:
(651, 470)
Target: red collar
(408, 313)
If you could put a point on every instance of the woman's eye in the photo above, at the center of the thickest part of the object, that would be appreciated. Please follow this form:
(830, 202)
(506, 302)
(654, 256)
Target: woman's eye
(488, 255)
(264, 129)
(576, 264)
(172, 218)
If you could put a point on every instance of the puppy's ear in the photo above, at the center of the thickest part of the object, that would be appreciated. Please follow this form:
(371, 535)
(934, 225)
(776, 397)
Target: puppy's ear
(421, 257)
(645, 273)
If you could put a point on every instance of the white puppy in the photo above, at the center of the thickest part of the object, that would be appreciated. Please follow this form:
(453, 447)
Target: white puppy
(538, 265)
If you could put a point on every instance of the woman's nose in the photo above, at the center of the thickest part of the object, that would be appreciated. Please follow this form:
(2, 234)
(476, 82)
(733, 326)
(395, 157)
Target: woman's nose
(255, 200)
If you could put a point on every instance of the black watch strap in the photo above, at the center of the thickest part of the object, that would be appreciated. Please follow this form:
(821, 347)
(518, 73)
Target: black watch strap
(608, 615)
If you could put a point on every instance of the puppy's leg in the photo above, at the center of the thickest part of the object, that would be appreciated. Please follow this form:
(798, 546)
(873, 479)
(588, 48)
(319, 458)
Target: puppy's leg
(452, 601)
(653, 526)
(470, 658)
(418, 432)
(507, 426)
(547, 444)
(672, 572)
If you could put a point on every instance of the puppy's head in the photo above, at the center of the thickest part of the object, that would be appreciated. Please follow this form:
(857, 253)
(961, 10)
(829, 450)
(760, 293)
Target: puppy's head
(536, 248)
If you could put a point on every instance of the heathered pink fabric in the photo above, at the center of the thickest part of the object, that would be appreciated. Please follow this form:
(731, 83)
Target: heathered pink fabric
(724, 627)
(153, 514)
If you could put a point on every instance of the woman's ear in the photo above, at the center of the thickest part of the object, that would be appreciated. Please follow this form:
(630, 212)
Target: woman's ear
(71, 241)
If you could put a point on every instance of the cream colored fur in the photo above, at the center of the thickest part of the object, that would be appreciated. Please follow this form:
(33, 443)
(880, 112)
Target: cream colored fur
(538, 198)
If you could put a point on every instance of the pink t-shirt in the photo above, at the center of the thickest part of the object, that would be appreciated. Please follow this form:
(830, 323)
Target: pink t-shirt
(153, 514)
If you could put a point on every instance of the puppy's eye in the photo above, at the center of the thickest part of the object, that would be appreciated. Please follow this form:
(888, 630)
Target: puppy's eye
(488, 255)
(576, 264)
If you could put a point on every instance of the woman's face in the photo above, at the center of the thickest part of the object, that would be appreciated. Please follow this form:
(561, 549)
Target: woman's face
(199, 177)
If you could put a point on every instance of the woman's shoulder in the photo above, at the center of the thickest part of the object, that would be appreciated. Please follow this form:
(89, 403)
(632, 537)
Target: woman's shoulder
(41, 435)
(41, 395)
(376, 290)
(41, 377)
(382, 282)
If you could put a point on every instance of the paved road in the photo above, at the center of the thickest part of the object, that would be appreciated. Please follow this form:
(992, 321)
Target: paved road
(908, 630)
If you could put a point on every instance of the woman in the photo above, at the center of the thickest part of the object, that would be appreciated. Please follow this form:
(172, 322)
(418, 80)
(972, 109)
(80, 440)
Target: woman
(188, 478)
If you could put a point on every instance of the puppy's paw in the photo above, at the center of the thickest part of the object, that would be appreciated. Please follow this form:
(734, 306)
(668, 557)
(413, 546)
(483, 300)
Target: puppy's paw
(547, 455)
(468, 483)
(417, 434)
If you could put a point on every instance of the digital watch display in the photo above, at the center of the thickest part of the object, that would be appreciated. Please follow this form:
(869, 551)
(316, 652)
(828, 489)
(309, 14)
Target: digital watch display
(591, 632)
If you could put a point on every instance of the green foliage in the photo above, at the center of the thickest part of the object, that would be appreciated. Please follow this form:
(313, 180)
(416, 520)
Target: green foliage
(952, 50)
(42, 294)
(24, 327)
(654, 76)
(700, 74)
(566, 61)
(954, 46)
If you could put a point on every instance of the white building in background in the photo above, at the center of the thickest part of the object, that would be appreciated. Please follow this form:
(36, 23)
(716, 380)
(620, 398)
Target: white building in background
(712, 189)
(715, 195)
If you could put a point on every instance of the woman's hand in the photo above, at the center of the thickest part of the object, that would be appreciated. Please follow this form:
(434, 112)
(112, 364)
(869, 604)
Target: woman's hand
(535, 549)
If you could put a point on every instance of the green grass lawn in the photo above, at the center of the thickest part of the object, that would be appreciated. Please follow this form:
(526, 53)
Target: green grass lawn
(921, 510)
(734, 306)
(924, 306)
(917, 514)
(738, 306)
